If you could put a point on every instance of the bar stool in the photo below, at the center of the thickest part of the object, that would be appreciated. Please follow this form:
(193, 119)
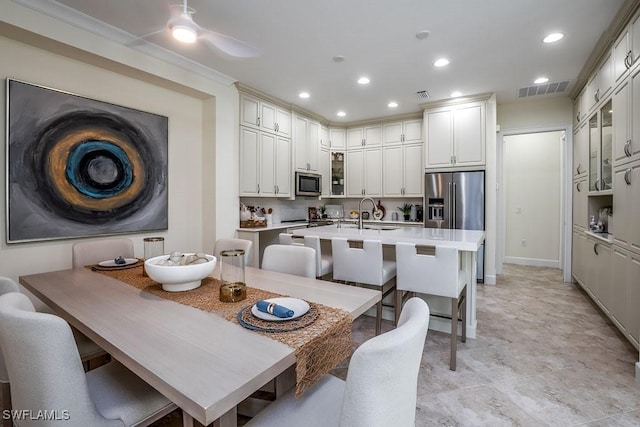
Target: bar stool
(290, 259)
(362, 262)
(434, 270)
(288, 239)
(324, 261)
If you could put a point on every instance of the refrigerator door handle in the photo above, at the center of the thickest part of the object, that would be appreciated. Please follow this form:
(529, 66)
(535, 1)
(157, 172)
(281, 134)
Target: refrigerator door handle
(455, 207)
(450, 204)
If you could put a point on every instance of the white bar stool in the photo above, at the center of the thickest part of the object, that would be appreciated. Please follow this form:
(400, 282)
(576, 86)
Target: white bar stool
(434, 270)
(290, 259)
(362, 262)
(289, 239)
(324, 261)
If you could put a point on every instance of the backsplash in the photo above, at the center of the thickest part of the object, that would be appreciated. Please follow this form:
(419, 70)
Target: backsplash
(284, 210)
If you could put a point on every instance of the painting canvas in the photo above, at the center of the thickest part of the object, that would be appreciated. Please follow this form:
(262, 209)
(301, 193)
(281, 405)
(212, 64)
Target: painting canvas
(80, 167)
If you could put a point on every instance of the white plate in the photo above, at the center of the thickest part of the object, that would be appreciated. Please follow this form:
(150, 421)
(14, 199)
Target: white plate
(112, 263)
(298, 306)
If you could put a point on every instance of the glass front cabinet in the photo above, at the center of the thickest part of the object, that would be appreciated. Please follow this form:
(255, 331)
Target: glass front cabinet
(601, 149)
(337, 173)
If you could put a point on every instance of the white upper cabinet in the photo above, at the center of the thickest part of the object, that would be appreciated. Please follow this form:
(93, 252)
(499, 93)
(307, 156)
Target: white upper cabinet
(626, 49)
(306, 144)
(325, 171)
(581, 151)
(364, 172)
(324, 137)
(403, 172)
(265, 164)
(455, 135)
(338, 138)
(621, 103)
(264, 116)
(408, 131)
(369, 136)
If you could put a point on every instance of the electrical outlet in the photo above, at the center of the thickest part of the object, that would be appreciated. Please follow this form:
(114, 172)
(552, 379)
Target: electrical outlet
(523, 243)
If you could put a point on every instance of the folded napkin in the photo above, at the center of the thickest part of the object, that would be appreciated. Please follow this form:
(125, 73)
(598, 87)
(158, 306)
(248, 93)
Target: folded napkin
(274, 309)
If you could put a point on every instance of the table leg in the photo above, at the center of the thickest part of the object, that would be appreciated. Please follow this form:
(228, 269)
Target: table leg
(229, 419)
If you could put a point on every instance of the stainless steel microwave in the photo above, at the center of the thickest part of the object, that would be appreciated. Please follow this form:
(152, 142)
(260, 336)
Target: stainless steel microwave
(308, 184)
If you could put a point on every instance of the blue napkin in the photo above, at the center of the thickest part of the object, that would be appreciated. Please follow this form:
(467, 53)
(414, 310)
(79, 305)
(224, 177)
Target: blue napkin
(275, 309)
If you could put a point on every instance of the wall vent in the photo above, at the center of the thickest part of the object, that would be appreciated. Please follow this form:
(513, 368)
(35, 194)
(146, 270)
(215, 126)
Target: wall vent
(544, 89)
(423, 94)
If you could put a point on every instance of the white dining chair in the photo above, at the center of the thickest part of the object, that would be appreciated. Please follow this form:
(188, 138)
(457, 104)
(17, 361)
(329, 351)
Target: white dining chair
(435, 271)
(95, 251)
(290, 259)
(87, 349)
(289, 239)
(324, 261)
(381, 385)
(231, 244)
(363, 262)
(46, 373)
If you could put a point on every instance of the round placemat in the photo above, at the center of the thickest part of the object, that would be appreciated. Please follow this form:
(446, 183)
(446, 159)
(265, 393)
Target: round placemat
(249, 321)
(98, 267)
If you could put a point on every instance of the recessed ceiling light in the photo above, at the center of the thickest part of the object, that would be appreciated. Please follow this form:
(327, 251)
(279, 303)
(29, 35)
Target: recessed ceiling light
(341, 114)
(338, 58)
(421, 35)
(441, 62)
(363, 80)
(392, 104)
(553, 37)
(304, 95)
(455, 94)
(540, 80)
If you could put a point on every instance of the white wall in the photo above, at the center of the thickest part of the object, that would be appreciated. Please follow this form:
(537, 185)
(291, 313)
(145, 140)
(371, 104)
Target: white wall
(533, 113)
(532, 193)
(203, 123)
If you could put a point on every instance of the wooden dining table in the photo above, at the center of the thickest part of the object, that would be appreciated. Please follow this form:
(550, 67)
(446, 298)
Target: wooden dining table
(203, 363)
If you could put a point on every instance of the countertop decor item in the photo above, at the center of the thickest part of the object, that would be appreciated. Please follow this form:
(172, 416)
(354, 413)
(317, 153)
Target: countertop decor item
(179, 277)
(406, 210)
(380, 212)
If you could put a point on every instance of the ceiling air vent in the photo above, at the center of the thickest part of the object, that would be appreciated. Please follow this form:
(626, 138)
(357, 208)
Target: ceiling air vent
(422, 95)
(544, 89)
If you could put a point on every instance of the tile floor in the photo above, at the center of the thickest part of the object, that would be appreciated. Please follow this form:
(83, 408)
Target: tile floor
(544, 356)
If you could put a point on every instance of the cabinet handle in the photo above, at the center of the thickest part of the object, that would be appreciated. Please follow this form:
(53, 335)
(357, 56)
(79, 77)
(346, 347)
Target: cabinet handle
(277, 128)
(578, 169)
(402, 137)
(595, 248)
(258, 122)
(628, 60)
(578, 187)
(627, 176)
(597, 185)
(597, 95)
(258, 188)
(578, 116)
(627, 148)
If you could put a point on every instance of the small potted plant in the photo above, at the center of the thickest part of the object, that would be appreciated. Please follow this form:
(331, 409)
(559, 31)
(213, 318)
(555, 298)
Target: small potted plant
(323, 211)
(406, 210)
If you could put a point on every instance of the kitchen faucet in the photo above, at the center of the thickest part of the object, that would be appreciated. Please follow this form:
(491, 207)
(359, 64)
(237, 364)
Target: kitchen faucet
(375, 208)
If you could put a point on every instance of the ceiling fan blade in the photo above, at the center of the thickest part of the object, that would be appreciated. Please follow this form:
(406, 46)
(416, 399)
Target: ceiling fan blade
(229, 45)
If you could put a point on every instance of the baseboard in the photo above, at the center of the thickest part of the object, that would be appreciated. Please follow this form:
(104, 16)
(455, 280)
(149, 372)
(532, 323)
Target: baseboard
(638, 372)
(534, 262)
(489, 279)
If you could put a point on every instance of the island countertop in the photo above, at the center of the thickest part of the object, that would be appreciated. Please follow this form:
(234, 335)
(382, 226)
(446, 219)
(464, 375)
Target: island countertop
(464, 240)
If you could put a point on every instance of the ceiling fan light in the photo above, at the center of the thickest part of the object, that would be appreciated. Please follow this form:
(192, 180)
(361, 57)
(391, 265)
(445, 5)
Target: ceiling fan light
(184, 33)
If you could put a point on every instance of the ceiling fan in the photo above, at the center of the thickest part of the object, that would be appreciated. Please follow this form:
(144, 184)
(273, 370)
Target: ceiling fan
(184, 29)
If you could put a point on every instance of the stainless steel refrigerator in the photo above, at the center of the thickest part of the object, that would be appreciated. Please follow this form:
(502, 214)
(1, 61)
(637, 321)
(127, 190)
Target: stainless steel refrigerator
(456, 200)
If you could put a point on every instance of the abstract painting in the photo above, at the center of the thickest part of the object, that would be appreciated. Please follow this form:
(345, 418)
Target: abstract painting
(78, 167)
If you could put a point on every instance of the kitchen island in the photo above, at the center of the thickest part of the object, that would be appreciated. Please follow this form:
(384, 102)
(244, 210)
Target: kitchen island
(466, 241)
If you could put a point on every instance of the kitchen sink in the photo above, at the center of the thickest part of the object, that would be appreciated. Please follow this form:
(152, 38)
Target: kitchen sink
(380, 228)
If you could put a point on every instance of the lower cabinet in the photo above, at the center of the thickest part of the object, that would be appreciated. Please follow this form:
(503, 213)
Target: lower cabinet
(578, 251)
(625, 308)
(598, 277)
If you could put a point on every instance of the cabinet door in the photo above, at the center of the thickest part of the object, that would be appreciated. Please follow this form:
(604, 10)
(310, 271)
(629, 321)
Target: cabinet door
(580, 151)
(439, 138)
(268, 117)
(355, 173)
(313, 146)
(603, 289)
(576, 111)
(338, 138)
(355, 138)
(267, 164)
(634, 144)
(605, 79)
(621, 56)
(620, 105)
(594, 154)
(468, 134)
(283, 174)
(372, 136)
(626, 206)
(578, 246)
(249, 111)
(620, 271)
(373, 172)
(413, 170)
(324, 137)
(590, 92)
(249, 161)
(301, 132)
(634, 42)
(580, 203)
(283, 122)
(393, 170)
(412, 131)
(325, 170)
(392, 133)
(633, 297)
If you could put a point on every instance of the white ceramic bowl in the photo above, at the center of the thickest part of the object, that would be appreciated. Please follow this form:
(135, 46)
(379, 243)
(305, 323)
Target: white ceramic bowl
(176, 278)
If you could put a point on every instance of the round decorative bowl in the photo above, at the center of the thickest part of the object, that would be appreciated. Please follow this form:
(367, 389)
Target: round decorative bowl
(175, 278)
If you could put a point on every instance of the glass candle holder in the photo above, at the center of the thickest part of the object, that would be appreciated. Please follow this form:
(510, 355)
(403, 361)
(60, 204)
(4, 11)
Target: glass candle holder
(153, 246)
(233, 287)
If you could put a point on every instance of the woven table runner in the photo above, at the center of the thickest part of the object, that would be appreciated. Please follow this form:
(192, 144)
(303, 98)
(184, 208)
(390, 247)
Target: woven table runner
(319, 347)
